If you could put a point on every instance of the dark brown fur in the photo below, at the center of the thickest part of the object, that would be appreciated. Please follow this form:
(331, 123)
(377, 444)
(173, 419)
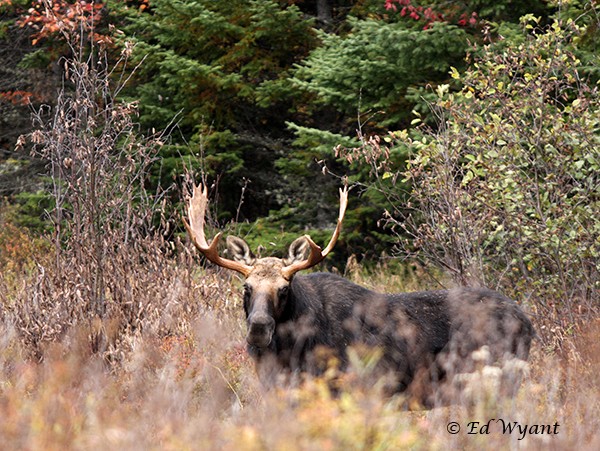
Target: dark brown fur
(430, 332)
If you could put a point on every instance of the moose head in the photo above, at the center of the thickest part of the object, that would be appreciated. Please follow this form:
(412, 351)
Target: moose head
(267, 280)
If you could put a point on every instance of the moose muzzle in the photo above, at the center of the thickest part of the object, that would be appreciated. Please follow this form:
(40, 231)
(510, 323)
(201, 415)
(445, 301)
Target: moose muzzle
(260, 330)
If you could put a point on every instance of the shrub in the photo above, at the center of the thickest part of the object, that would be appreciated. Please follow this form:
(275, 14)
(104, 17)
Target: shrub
(110, 273)
(505, 191)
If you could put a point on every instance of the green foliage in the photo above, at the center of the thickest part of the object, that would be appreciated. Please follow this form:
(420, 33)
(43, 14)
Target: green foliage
(509, 10)
(369, 78)
(256, 99)
(371, 68)
(33, 210)
(587, 41)
(216, 68)
(508, 188)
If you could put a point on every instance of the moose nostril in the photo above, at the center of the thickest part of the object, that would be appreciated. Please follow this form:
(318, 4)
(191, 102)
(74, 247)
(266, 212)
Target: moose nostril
(261, 324)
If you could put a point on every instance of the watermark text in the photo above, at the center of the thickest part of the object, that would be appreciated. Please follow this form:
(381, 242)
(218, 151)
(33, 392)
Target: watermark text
(505, 427)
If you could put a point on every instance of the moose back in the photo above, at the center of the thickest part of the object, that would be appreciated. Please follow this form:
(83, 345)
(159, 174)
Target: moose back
(301, 323)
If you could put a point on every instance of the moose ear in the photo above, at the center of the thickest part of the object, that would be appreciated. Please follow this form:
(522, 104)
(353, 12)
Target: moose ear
(298, 251)
(240, 251)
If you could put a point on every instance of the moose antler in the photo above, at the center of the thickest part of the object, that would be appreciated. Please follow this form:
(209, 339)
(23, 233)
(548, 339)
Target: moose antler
(316, 254)
(196, 213)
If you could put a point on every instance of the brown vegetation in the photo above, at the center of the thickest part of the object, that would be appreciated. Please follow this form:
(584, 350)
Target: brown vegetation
(197, 389)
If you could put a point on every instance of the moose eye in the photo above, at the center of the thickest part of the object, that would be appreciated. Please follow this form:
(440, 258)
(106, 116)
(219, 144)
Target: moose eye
(247, 289)
(282, 292)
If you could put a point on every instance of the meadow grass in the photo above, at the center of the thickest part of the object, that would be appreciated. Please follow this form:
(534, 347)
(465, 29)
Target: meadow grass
(198, 390)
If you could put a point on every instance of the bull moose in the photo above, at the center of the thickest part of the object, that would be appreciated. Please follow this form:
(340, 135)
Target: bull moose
(299, 323)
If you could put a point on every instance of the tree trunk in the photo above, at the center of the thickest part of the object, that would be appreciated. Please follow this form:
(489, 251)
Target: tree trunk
(325, 11)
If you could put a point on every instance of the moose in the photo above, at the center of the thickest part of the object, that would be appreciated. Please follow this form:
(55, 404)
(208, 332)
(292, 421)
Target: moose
(298, 324)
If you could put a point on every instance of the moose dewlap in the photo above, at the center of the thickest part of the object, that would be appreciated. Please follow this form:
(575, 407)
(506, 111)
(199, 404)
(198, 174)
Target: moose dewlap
(292, 318)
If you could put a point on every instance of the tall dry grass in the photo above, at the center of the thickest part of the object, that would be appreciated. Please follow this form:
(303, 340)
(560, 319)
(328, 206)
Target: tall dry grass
(198, 390)
(166, 368)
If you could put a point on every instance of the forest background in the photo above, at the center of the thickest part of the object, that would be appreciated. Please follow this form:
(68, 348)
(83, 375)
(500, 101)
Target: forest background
(469, 132)
(272, 103)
